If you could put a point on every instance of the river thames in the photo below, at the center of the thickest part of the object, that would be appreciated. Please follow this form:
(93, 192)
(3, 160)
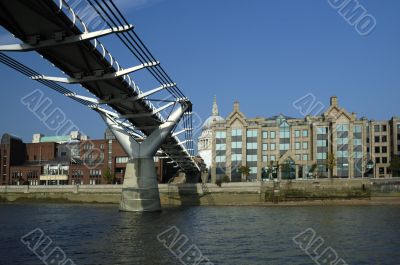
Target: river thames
(100, 234)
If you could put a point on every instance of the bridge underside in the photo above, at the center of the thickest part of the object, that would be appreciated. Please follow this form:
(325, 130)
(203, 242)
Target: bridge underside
(45, 27)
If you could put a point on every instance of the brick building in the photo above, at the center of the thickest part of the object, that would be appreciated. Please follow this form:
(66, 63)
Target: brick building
(71, 159)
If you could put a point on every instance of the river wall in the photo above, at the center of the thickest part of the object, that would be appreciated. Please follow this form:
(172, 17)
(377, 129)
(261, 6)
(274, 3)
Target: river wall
(245, 193)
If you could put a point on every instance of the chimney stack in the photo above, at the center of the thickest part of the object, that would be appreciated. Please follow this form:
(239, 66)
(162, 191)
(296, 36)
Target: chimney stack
(236, 106)
(334, 101)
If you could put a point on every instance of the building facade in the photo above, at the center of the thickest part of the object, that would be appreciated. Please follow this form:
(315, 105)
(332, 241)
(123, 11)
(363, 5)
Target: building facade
(205, 139)
(334, 144)
(70, 159)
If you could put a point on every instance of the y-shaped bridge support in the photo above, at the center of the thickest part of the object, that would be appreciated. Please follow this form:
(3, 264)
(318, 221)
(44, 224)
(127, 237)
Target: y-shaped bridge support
(140, 188)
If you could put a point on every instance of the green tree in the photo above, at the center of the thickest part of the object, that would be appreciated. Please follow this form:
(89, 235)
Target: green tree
(331, 163)
(226, 179)
(286, 170)
(108, 176)
(313, 168)
(395, 166)
(244, 171)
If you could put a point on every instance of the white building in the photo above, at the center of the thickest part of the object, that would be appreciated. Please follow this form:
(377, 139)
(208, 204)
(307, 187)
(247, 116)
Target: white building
(205, 139)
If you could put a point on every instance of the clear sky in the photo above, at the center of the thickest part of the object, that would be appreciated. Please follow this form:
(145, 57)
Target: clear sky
(264, 53)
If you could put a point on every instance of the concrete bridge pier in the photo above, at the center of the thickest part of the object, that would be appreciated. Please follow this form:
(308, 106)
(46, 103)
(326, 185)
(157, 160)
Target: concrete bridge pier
(140, 188)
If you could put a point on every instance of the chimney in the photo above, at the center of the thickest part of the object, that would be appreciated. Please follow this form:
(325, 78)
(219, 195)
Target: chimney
(334, 101)
(236, 106)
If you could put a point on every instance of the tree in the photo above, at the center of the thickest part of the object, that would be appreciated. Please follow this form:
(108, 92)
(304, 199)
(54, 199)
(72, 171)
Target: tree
(395, 166)
(270, 170)
(244, 171)
(331, 163)
(286, 167)
(226, 179)
(108, 176)
(313, 168)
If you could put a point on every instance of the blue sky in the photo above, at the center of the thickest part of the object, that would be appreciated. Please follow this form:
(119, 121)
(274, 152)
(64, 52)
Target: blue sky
(264, 53)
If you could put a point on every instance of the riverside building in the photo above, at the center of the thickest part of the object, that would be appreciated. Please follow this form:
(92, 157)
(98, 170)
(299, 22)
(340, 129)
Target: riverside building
(67, 160)
(335, 144)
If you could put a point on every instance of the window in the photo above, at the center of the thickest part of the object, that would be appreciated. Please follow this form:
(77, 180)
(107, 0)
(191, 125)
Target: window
(322, 130)
(251, 158)
(237, 157)
(342, 154)
(95, 173)
(265, 147)
(236, 145)
(236, 132)
(377, 128)
(357, 142)
(284, 131)
(298, 157)
(220, 159)
(384, 139)
(272, 134)
(321, 156)
(377, 150)
(357, 154)
(357, 128)
(305, 145)
(283, 147)
(297, 145)
(384, 149)
(384, 128)
(377, 139)
(251, 133)
(220, 147)
(252, 146)
(384, 160)
(342, 127)
(220, 134)
(265, 158)
(297, 133)
(305, 133)
(265, 135)
(272, 158)
(322, 143)
(305, 157)
(121, 159)
(381, 170)
(273, 147)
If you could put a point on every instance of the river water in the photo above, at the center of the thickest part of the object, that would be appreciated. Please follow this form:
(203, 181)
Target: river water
(100, 234)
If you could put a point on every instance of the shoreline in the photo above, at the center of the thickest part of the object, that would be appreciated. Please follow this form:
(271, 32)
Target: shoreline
(285, 193)
(373, 201)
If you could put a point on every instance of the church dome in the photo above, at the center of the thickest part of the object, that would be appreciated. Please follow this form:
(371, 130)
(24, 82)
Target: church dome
(208, 123)
(214, 117)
